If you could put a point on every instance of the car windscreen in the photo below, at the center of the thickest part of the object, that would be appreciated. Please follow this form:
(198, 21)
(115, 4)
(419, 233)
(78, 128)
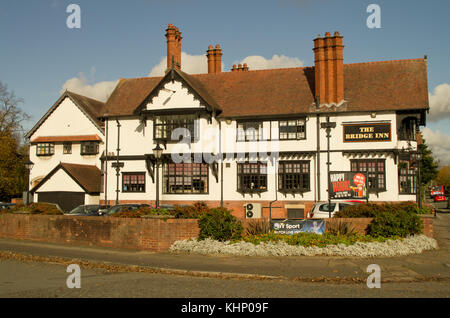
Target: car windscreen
(324, 207)
(77, 210)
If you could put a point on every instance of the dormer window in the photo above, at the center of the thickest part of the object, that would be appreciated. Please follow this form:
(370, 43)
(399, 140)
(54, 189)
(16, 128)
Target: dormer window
(45, 149)
(89, 148)
(164, 126)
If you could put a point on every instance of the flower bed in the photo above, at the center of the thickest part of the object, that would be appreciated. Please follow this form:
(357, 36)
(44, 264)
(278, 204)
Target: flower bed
(406, 246)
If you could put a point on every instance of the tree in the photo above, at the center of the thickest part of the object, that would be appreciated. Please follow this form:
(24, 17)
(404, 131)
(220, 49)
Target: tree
(443, 177)
(13, 154)
(428, 166)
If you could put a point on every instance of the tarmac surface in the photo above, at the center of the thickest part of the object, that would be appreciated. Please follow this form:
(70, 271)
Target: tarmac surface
(430, 266)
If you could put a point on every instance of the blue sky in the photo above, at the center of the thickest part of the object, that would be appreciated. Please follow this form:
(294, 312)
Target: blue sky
(40, 55)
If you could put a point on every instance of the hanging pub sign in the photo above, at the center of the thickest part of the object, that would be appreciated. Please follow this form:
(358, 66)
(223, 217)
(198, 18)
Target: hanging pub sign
(367, 132)
(347, 185)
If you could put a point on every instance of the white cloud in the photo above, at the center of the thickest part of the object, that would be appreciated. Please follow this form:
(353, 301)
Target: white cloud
(191, 64)
(80, 85)
(256, 62)
(439, 103)
(198, 64)
(439, 143)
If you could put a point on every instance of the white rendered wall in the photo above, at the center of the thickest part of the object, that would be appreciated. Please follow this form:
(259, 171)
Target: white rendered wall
(60, 181)
(66, 120)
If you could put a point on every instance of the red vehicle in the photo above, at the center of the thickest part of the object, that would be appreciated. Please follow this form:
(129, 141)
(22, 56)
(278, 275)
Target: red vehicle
(438, 198)
(436, 190)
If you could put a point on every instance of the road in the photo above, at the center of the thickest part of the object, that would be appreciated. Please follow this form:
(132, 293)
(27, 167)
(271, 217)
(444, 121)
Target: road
(31, 279)
(36, 269)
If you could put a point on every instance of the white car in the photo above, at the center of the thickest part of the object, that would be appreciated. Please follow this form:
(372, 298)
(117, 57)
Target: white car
(320, 209)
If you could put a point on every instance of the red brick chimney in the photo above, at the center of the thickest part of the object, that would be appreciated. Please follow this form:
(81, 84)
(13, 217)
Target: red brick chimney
(329, 68)
(214, 57)
(173, 36)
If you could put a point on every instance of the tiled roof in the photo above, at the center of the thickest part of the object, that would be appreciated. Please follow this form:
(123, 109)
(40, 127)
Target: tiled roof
(374, 86)
(66, 138)
(86, 176)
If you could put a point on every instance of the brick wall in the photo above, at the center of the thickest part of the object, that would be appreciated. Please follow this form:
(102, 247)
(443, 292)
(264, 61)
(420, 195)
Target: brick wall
(153, 235)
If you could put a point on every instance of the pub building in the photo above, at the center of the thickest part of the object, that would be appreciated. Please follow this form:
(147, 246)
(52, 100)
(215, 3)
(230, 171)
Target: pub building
(248, 140)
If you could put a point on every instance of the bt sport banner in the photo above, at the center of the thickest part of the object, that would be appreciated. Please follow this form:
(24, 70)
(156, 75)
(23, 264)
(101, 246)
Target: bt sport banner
(348, 185)
(296, 226)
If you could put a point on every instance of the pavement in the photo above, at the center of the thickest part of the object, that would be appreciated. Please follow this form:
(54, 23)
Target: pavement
(430, 266)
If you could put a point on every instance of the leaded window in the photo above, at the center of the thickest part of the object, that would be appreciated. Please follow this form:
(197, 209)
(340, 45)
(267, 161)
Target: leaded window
(89, 148)
(375, 170)
(249, 131)
(293, 176)
(292, 129)
(407, 174)
(133, 182)
(165, 125)
(188, 178)
(252, 177)
(45, 149)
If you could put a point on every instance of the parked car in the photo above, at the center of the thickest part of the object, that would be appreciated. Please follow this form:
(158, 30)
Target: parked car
(320, 209)
(128, 206)
(5, 205)
(439, 198)
(88, 210)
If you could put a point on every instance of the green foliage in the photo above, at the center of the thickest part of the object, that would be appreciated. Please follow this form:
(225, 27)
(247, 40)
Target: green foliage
(36, 208)
(313, 239)
(257, 227)
(370, 210)
(399, 223)
(194, 211)
(137, 213)
(219, 224)
(390, 219)
(340, 227)
(13, 175)
(428, 166)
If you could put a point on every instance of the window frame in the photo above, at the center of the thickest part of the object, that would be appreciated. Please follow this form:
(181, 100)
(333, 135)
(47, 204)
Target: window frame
(67, 151)
(171, 122)
(297, 126)
(183, 176)
(411, 173)
(83, 151)
(137, 189)
(247, 124)
(241, 175)
(371, 189)
(302, 176)
(49, 149)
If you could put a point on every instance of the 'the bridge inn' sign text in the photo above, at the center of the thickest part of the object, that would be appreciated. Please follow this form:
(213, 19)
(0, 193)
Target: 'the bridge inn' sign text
(367, 132)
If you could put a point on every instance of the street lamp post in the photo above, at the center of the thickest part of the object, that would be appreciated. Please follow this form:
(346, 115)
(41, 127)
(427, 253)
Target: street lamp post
(157, 152)
(28, 165)
(419, 192)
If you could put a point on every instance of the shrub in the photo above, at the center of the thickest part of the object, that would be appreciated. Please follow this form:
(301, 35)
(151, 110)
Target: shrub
(395, 223)
(194, 211)
(390, 219)
(257, 227)
(219, 224)
(340, 227)
(38, 208)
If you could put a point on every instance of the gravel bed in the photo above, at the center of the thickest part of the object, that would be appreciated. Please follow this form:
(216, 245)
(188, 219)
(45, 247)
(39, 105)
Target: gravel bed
(410, 245)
